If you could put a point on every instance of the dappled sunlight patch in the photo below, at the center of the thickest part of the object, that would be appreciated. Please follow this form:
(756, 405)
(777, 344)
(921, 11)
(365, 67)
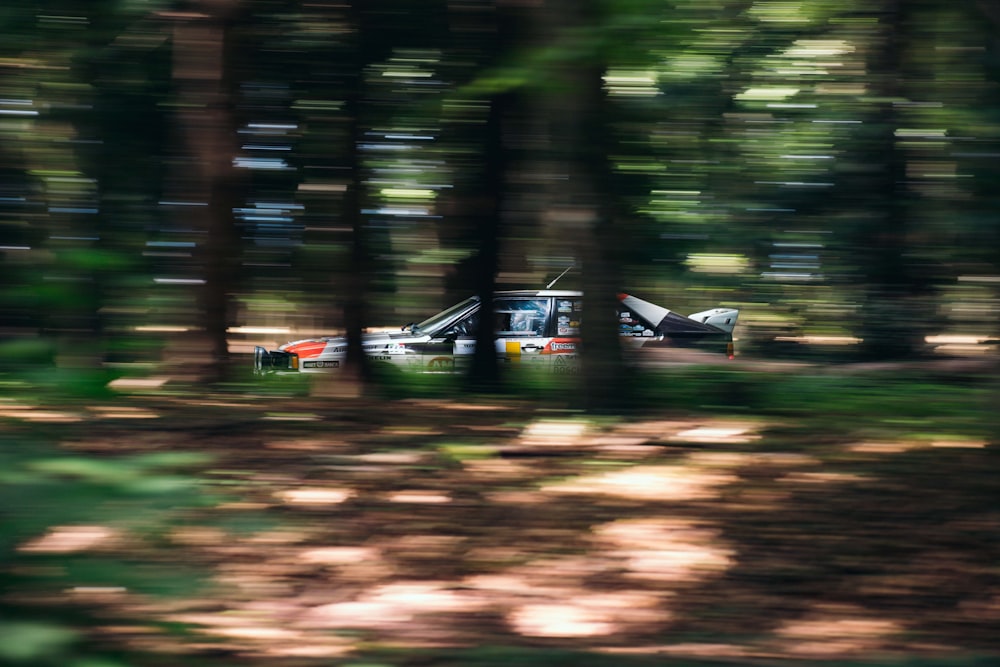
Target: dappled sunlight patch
(748, 463)
(821, 478)
(103, 594)
(509, 583)
(203, 401)
(277, 537)
(124, 412)
(291, 417)
(198, 536)
(880, 447)
(580, 613)
(723, 459)
(622, 445)
(559, 620)
(452, 405)
(498, 468)
(258, 632)
(261, 633)
(541, 576)
(648, 482)
(785, 459)
(427, 548)
(242, 506)
(959, 444)
(139, 383)
(665, 549)
(394, 603)
(719, 459)
(393, 458)
(410, 430)
(315, 496)
(517, 497)
(310, 648)
(831, 630)
(554, 432)
(684, 649)
(719, 433)
(419, 497)
(655, 429)
(550, 597)
(338, 555)
(71, 539)
(305, 444)
(32, 414)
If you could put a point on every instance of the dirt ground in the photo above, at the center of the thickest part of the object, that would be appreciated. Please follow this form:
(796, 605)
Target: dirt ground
(437, 525)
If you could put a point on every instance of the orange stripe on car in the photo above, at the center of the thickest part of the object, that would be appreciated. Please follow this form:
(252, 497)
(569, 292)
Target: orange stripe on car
(308, 349)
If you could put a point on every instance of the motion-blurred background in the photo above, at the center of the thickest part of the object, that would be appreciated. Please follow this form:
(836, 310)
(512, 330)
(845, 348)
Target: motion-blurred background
(183, 180)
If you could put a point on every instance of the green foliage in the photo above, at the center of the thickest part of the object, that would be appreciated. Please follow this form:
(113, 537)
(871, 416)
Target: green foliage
(22, 352)
(828, 398)
(122, 500)
(33, 642)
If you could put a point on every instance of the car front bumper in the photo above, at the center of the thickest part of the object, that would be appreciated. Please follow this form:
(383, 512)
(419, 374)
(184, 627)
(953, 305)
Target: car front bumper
(265, 361)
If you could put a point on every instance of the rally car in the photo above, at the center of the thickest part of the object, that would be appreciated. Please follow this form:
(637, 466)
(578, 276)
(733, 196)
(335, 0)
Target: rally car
(537, 327)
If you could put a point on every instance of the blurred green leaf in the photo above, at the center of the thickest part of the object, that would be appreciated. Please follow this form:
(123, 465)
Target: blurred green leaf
(95, 259)
(92, 470)
(171, 459)
(20, 351)
(98, 662)
(154, 484)
(26, 642)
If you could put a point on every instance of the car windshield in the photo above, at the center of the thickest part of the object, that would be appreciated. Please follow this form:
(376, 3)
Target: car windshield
(432, 323)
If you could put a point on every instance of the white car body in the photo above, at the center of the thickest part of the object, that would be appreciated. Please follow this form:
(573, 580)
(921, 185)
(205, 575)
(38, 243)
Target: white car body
(536, 327)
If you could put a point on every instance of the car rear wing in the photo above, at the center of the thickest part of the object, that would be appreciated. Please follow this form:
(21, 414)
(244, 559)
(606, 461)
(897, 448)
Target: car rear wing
(720, 318)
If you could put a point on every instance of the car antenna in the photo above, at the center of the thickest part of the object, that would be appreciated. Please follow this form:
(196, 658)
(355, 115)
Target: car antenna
(554, 280)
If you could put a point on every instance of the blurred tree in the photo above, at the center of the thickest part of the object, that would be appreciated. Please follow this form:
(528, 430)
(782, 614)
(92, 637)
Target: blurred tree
(584, 207)
(359, 265)
(205, 55)
(897, 305)
(488, 36)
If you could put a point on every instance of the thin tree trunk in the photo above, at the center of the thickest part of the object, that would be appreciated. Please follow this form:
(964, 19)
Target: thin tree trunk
(897, 291)
(588, 215)
(357, 277)
(203, 60)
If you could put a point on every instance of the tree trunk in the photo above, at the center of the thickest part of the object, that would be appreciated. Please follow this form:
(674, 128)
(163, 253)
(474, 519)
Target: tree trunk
(897, 305)
(357, 276)
(588, 214)
(203, 63)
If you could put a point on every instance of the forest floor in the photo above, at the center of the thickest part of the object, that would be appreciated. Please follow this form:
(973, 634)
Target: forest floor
(441, 532)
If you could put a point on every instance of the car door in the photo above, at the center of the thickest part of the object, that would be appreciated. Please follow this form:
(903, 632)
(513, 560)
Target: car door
(451, 349)
(523, 326)
(563, 349)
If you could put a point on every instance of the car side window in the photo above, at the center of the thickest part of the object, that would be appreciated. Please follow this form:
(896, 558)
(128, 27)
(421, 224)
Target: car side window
(521, 317)
(466, 328)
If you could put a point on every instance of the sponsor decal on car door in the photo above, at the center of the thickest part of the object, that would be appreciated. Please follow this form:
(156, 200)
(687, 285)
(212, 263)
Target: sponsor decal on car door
(522, 326)
(563, 350)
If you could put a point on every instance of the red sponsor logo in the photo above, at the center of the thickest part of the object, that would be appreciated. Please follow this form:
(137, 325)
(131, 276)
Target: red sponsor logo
(562, 346)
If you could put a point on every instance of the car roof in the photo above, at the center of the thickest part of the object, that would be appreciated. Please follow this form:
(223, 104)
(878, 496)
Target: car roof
(540, 292)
